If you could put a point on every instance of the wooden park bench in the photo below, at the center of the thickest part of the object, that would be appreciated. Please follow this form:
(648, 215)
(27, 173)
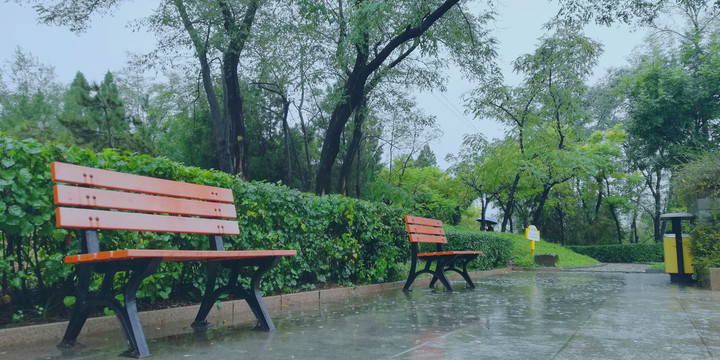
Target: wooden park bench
(424, 230)
(109, 200)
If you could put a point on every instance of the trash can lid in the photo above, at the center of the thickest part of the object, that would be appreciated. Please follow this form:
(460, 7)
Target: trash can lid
(672, 236)
(681, 216)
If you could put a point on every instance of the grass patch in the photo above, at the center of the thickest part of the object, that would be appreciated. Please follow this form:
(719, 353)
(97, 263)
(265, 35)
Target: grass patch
(521, 251)
(566, 257)
(657, 265)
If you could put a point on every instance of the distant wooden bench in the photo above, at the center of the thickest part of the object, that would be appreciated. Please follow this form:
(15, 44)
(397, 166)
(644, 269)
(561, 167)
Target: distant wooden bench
(109, 200)
(424, 230)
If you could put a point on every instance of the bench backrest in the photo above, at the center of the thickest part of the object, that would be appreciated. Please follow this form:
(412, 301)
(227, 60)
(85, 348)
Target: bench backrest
(156, 204)
(424, 230)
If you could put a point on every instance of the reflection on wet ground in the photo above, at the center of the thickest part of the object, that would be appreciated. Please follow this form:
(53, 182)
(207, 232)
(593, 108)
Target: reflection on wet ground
(522, 315)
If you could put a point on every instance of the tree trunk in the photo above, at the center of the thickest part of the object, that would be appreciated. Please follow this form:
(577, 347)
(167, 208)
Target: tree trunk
(234, 114)
(238, 34)
(220, 127)
(306, 141)
(353, 148)
(289, 144)
(331, 142)
(633, 229)
(657, 197)
(561, 221)
(509, 204)
(543, 197)
(617, 223)
(358, 173)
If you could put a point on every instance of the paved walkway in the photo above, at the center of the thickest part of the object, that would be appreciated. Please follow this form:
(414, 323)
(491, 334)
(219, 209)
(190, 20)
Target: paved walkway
(521, 315)
(613, 267)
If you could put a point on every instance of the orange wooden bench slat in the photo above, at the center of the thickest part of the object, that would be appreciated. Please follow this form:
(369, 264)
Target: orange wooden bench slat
(115, 220)
(450, 253)
(81, 175)
(428, 230)
(107, 199)
(176, 255)
(416, 220)
(428, 239)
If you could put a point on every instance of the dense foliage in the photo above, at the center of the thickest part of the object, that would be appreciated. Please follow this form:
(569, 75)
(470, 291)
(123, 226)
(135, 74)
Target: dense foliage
(340, 240)
(696, 183)
(628, 253)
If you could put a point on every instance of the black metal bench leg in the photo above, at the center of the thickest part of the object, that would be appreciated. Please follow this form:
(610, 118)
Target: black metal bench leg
(440, 274)
(80, 309)
(465, 274)
(254, 296)
(208, 298)
(451, 266)
(412, 275)
(434, 273)
(134, 334)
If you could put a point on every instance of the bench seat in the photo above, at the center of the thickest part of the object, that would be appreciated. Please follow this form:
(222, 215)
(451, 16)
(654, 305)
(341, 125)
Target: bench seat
(448, 253)
(175, 255)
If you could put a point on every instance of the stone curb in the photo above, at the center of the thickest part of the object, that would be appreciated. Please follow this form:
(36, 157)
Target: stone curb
(172, 321)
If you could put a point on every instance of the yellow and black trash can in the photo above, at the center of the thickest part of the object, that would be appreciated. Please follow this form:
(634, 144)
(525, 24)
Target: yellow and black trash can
(678, 259)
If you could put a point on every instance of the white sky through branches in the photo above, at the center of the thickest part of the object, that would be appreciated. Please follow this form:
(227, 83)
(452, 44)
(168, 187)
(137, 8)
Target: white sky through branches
(106, 44)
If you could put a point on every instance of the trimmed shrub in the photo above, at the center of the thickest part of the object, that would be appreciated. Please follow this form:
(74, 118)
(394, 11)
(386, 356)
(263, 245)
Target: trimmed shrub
(497, 251)
(626, 253)
(705, 248)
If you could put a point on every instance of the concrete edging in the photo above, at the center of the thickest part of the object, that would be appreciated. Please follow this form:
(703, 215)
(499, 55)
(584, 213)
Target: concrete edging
(166, 322)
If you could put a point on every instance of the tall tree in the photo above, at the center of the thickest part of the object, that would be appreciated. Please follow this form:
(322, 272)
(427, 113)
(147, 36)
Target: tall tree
(30, 98)
(374, 37)
(95, 114)
(229, 24)
(211, 26)
(545, 113)
(426, 157)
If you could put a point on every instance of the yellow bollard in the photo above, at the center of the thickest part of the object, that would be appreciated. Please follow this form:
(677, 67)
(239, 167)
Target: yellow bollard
(532, 234)
(532, 248)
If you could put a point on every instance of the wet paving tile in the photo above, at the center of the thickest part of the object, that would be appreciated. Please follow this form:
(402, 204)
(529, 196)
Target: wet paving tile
(522, 315)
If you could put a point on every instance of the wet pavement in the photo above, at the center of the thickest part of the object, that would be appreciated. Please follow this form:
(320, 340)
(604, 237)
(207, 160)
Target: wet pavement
(521, 315)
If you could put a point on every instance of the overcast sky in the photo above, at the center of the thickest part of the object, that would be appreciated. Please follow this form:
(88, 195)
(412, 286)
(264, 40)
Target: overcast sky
(104, 47)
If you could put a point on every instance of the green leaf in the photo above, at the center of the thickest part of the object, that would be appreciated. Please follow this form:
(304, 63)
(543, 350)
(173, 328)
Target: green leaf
(8, 175)
(7, 162)
(16, 283)
(16, 211)
(24, 175)
(69, 301)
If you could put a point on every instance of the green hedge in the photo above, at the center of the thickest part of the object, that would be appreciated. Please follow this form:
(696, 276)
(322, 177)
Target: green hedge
(627, 253)
(339, 240)
(705, 248)
(497, 251)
